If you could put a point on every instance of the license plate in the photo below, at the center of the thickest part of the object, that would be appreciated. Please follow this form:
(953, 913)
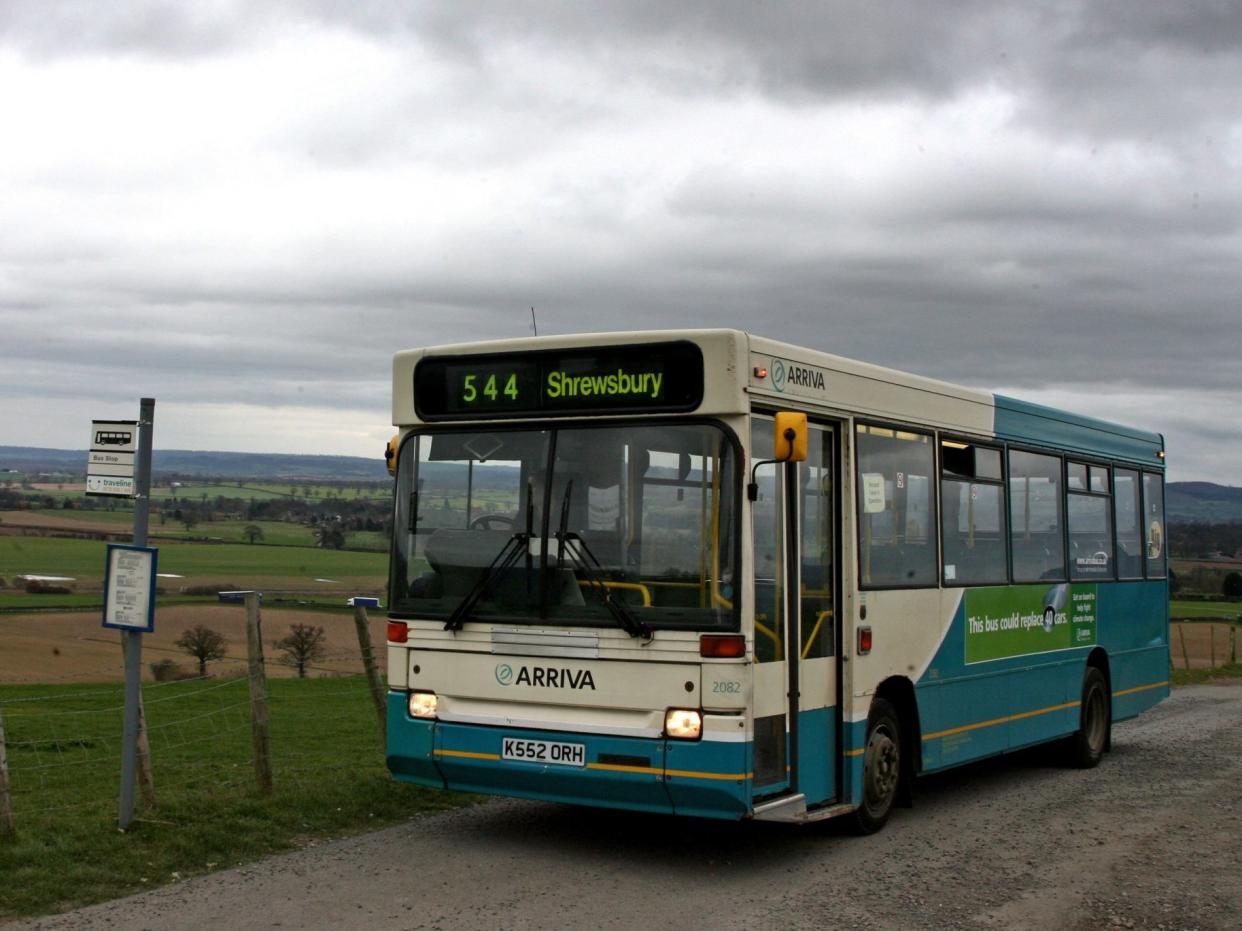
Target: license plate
(542, 751)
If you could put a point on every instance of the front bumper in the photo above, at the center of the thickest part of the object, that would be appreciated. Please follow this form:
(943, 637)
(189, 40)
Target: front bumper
(709, 778)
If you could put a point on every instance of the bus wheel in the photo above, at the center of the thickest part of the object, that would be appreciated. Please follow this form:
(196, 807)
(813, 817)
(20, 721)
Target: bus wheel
(881, 768)
(1087, 745)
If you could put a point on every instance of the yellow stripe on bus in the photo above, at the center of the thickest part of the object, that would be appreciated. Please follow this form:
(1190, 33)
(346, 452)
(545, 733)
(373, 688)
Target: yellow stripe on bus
(693, 775)
(1005, 720)
(467, 754)
(610, 767)
(1025, 714)
(1141, 688)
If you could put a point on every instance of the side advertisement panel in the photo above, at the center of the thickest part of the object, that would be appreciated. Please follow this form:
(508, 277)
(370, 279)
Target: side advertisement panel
(1029, 619)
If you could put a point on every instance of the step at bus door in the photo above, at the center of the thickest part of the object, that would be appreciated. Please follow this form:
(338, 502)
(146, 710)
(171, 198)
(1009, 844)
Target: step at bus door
(797, 721)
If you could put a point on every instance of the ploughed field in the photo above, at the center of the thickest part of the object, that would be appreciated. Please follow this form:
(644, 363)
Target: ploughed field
(73, 646)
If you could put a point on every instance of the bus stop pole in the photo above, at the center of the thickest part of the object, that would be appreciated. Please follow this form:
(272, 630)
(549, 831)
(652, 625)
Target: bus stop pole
(131, 639)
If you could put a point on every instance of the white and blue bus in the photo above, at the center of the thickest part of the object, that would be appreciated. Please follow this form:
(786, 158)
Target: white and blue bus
(707, 573)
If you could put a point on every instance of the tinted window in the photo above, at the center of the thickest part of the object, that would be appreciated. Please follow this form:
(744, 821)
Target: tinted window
(1035, 517)
(1128, 514)
(972, 514)
(1091, 537)
(1153, 524)
(896, 507)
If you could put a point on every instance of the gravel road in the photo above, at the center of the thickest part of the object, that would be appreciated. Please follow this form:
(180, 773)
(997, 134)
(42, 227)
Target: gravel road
(1150, 839)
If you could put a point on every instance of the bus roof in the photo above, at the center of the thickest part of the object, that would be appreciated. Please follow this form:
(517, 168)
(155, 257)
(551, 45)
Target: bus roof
(733, 360)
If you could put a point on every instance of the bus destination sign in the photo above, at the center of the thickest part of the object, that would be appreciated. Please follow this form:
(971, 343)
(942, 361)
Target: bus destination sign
(622, 379)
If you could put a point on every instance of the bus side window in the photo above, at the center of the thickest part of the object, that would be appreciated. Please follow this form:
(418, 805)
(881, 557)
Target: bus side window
(1035, 517)
(896, 507)
(973, 516)
(1089, 519)
(1153, 524)
(1127, 514)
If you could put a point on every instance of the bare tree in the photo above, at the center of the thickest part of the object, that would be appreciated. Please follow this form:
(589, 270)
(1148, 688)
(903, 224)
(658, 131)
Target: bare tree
(204, 644)
(304, 645)
(253, 533)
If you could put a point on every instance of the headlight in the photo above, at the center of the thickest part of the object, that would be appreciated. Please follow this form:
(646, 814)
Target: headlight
(683, 724)
(423, 704)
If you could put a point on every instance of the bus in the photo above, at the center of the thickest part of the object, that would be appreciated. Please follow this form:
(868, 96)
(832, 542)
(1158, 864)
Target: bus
(707, 573)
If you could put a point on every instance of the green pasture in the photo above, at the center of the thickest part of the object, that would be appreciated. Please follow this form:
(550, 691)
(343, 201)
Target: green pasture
(64, 765)
(275, 532)
(265, 491)
(196, 492)
(1200, 676)
(16, 600)
(291, 566)
(206, 492)
(1205, 609)
(278, 532)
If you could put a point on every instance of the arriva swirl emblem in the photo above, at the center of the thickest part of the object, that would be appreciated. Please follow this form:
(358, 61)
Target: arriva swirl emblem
(504, 674)
(778, 375)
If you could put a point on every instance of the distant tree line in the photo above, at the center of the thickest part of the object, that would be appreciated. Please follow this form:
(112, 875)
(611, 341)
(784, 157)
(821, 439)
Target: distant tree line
(1201, 540)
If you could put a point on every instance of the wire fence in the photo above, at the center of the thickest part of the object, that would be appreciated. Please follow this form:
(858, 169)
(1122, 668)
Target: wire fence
(60, 740)
(1203, 642)
(61, 744)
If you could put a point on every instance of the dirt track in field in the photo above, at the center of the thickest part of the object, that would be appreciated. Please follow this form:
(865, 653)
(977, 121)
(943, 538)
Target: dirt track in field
(1149, 840)
(74, 647)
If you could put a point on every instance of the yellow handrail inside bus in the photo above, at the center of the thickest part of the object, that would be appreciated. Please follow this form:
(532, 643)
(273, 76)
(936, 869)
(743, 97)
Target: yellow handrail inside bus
(761, 628)
(819, 622)
(627, 586)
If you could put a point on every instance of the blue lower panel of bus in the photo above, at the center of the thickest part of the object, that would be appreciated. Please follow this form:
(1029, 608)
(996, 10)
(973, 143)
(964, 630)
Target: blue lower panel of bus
(704, 778)
(1140, 680)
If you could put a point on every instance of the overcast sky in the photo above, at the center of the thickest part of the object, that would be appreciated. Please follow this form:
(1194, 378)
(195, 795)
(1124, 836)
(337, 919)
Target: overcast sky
(244, 208)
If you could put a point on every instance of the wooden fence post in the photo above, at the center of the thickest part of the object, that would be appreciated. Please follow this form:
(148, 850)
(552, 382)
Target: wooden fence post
(1212, 641)
(146, 780)
(258, 695)
(1233, 643)
(368, 663)
(6, 804)
(1181, 633)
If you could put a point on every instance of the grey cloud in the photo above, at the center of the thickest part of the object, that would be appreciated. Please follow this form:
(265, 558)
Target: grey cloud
(52, 28)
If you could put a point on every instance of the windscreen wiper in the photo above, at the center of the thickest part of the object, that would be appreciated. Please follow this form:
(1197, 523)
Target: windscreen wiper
(508, 555)
(504, 561)
(584, 560)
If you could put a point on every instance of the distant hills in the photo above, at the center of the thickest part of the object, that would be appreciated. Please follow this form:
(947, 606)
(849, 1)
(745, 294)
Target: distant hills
(1203, 501)
(1185, 501)
(200, 464)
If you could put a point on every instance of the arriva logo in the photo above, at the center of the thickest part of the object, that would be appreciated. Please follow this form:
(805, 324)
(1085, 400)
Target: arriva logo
(545, 677)
(799, 376)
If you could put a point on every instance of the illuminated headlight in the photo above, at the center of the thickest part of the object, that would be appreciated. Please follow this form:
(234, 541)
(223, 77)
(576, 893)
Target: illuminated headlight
(422, 704)
(683, 724)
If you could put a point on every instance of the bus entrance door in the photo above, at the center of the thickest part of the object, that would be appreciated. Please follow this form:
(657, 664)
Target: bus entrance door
(796, 706)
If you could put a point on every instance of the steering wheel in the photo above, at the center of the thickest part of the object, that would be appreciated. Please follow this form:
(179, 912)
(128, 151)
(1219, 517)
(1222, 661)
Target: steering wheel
(493, 522)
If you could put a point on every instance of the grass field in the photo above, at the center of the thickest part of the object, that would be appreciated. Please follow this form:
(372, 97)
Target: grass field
(275, 567)
(246, 491)
(1205, 609)
(63, 749)
(1201, 676)
(274, 532)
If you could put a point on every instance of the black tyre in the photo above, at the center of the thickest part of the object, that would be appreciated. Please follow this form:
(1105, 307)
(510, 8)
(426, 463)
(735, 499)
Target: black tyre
(1095, 722)
(882, 768)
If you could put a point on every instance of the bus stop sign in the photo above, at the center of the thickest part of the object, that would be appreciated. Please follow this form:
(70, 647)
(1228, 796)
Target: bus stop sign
(110, 463)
